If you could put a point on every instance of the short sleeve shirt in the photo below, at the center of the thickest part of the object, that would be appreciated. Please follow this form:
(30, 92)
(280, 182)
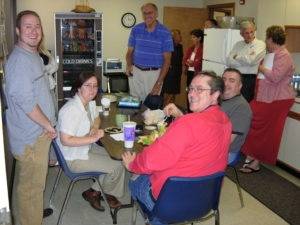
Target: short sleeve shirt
(240, 115)
(150, 46)
(73, 119)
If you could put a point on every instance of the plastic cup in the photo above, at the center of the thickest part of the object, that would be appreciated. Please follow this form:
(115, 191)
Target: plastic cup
(129, 133)
(120, 118)
(105, 102)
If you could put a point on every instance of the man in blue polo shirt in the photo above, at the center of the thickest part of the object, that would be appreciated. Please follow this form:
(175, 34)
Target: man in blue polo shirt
(149, 54)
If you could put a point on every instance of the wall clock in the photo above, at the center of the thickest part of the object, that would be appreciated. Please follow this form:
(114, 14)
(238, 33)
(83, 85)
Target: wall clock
(128, 20)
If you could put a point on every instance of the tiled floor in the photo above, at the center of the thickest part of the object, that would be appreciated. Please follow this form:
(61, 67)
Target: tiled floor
(79, 212)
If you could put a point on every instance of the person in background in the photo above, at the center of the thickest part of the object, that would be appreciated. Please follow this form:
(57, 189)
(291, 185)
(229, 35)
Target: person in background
(30, 118)
(149, 54)
(237, 109)
(50, 67)
(211, 23)
(78, 130)
(192, 59)
(274, 98)
(172, 81)
(195, 144)
(246, 56)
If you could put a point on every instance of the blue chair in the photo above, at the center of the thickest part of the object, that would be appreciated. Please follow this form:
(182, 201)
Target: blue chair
(185, 200)
(74, 177)
(233, 160)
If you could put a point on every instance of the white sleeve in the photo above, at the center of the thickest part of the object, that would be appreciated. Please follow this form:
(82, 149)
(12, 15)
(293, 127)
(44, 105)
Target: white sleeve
(231, 62)
(69, 120)
(254, 56)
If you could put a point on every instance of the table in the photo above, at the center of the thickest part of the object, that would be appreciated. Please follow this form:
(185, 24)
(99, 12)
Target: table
(113, 147)
(116, 148)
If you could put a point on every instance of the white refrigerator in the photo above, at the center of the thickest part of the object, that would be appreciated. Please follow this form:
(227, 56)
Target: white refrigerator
(217, 46)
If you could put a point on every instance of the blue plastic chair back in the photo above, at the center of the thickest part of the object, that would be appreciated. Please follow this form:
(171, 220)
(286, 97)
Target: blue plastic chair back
(186, 199)
(64, 166)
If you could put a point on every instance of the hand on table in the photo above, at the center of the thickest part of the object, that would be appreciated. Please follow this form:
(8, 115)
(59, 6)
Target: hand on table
(128, 157)
(96, 134)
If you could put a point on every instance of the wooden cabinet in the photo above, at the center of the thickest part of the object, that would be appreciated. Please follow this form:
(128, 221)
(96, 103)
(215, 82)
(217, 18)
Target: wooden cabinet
(289, 152)
(292, 38)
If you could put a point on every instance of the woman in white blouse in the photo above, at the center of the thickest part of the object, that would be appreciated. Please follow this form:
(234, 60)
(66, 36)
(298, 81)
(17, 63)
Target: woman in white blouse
(78, 129)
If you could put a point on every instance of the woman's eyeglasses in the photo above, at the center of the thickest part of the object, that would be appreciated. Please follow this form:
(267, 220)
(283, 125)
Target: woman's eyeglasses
(90, 86)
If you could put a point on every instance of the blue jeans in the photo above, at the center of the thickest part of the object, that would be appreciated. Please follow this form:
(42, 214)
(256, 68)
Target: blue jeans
(141, 190)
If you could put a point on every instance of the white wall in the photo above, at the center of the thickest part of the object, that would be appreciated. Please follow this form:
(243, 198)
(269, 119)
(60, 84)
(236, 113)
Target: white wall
(248, 9)
(115, 36)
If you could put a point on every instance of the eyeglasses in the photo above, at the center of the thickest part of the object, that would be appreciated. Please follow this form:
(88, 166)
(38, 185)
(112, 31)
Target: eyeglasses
(198, 90)
(90, 86)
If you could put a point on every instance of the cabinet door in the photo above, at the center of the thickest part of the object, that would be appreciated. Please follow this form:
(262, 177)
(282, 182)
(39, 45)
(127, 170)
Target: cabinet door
(289, 152)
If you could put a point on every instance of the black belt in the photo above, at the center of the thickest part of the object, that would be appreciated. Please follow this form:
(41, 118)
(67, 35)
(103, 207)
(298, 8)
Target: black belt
(147, 68)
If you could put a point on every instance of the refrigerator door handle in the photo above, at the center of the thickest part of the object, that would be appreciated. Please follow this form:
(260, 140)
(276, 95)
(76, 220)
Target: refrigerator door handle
(225, 50)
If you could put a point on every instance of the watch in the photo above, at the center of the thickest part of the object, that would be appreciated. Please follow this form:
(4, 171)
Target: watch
(128, 20)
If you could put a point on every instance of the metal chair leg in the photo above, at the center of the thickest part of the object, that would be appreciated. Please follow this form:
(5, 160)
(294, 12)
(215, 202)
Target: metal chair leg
(238, 187)
(55, 186)
(217, 217)
(134, 214)
(65, 202)
(113, 216)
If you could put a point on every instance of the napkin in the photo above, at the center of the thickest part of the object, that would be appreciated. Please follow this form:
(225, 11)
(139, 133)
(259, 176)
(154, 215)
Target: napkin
(268, 63)
(118, 136)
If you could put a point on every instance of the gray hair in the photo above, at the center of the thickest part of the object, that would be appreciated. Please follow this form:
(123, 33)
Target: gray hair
(245, 24)
(150, 4)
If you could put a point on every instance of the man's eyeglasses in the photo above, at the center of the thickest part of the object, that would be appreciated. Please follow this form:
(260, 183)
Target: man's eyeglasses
(198, 90)
(90, 86)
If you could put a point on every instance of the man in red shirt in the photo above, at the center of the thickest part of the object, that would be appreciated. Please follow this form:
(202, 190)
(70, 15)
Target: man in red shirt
(195, 144)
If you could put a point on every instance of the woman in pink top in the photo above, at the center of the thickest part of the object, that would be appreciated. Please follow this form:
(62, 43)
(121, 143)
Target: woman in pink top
(274, 98)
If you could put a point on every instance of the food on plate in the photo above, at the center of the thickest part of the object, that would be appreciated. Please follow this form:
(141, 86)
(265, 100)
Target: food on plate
(153, 116)
(111, 97)
(113, 130)
(149, 139)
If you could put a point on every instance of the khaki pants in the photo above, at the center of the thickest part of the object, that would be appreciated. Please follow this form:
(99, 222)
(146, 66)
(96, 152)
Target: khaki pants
(30, 174)
(142, 82)
(113, 182)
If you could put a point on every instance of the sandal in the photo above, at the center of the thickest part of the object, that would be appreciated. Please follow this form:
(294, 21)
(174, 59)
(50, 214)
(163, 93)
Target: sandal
(247, 162)
(248, 169)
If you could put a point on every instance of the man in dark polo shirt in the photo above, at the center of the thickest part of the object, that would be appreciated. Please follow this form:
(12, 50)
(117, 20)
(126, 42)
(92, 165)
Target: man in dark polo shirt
(237, 109)
(149, 54)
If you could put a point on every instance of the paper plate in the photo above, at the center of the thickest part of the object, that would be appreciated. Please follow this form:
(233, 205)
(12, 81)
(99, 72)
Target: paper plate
(113, 130)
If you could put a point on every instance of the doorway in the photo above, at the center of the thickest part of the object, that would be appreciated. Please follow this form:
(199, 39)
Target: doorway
(185, 20)
(220, 10)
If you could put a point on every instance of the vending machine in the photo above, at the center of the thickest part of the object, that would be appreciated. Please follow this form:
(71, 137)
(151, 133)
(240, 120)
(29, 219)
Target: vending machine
(78, 49)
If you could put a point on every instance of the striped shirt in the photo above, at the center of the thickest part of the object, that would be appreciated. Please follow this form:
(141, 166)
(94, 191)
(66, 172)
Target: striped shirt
(150, 46)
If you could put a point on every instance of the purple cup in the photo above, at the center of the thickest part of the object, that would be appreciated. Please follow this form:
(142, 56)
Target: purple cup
(129, 133)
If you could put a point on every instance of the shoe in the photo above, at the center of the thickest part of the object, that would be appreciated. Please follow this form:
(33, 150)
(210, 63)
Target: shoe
(248, 169)
(93, 197)
(47, 212)
(247, 162)
(53, 163)
(112, 201)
